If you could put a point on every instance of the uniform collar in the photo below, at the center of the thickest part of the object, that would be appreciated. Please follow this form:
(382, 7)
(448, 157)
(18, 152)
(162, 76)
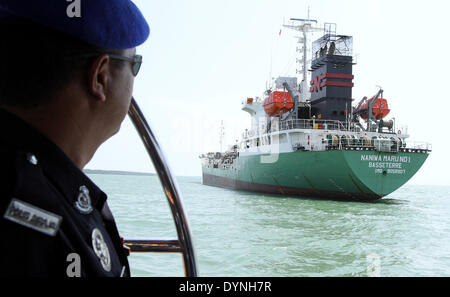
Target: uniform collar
(57, 166)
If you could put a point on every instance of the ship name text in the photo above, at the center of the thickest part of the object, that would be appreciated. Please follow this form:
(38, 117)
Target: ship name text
(386, 158)
(393, 164)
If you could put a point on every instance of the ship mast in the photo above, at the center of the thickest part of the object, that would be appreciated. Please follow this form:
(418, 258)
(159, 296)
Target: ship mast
(221, 135)
(306, 26)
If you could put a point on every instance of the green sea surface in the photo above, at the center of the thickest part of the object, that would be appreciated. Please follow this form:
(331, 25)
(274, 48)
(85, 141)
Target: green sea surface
(247, 234)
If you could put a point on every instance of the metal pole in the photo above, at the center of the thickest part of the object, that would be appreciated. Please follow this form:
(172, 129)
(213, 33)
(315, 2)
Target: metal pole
(169, 186)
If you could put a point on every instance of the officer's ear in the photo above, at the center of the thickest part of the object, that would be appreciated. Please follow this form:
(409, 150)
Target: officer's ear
(99, 77)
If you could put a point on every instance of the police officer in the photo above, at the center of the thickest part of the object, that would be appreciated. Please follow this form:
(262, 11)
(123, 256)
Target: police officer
(66, 79)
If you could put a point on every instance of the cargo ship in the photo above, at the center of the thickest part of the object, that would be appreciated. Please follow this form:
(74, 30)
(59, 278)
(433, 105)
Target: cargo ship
(309, 139)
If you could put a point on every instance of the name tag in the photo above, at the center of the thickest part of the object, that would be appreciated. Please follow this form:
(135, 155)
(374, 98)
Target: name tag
(33, 217)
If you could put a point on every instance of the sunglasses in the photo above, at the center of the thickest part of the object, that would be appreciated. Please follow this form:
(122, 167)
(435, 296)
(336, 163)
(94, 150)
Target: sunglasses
(136, 60)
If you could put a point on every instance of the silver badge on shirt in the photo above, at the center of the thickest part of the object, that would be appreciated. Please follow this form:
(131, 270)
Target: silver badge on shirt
(33, 217)
(83, 203)
(32, 159)
(101, 249)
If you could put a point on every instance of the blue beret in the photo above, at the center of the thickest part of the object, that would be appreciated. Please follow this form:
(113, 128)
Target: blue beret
(110, 24)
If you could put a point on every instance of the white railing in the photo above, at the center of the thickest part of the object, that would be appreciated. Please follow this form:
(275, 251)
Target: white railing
(320, 125)
(381, 145)
(317, 124)
(419, 145)
(386, 143)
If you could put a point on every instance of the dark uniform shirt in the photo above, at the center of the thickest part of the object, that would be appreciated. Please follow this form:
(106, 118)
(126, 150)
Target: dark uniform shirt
(54, 221)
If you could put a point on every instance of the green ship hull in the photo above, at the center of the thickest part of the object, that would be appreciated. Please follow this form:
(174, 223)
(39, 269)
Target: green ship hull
(336, 174)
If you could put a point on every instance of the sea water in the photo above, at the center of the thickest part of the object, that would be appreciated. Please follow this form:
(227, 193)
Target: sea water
(246, 234)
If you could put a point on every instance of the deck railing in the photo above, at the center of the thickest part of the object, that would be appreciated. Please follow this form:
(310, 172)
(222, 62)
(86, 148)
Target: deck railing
(317, 124)
(381, 145)
(308, 124)
(390, 144)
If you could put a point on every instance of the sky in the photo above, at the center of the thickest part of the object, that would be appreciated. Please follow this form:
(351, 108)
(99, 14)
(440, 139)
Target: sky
(204, 57)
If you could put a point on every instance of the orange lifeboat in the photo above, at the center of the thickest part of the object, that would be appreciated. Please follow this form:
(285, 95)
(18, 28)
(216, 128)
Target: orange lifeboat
(379, 110)
(277, 103)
